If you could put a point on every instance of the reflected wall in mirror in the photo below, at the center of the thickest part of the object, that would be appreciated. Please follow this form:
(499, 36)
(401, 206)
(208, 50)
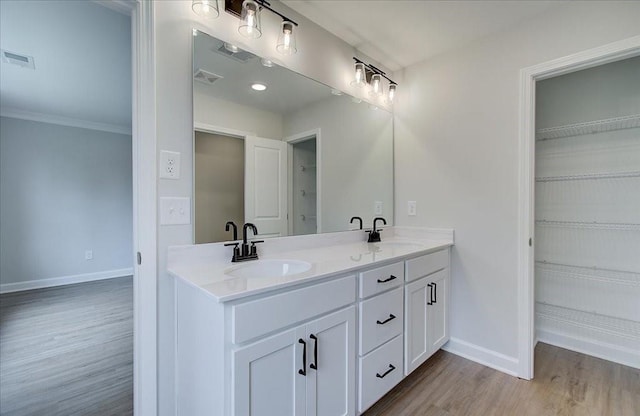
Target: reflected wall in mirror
(293, 158)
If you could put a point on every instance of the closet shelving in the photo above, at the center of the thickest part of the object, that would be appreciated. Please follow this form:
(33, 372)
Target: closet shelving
(304, 168)
(304, 192)
(589, 127)
(307, 217)
(564, 271)
(590, 176)
(590, 225)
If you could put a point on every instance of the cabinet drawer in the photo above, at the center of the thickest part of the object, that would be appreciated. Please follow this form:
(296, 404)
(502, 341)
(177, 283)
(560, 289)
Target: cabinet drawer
(262, 316)
(381, 318)
(427, 264)
(381, 279)
(373, 381)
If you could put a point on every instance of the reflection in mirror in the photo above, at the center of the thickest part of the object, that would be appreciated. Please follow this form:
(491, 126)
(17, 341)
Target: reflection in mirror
(281, 151)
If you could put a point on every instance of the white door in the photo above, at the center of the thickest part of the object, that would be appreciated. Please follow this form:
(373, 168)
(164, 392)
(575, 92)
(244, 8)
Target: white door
(266, 378)
(417, 345)
(437, 311)
(266, 185)
(331, 350)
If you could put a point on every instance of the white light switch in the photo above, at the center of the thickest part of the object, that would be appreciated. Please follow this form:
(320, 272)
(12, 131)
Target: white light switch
(377, 207)
(169, 164)
(175, 211)
(411, 208)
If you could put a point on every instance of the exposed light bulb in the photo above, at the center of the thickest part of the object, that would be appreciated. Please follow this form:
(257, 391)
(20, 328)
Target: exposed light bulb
(286, 39)
(205, 8)
(360, 80)
(250, 20)
(392, 92)
(376, 84)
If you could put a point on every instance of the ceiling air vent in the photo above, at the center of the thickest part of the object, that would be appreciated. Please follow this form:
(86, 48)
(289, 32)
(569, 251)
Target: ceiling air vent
(206, 77)
(18, 59)
(234, 53)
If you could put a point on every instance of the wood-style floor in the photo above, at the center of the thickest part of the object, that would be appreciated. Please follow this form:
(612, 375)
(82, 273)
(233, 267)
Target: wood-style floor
(68, 350)
(565, 383)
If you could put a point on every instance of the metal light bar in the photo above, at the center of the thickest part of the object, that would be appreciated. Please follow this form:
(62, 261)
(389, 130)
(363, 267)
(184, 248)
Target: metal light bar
(267, 6)
(375, 70)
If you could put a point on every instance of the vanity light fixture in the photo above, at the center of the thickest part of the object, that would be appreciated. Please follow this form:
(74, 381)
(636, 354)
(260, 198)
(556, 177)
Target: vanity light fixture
(369, 74)
(206, 8)
(250, 20)
(287, 39)
(258, 87)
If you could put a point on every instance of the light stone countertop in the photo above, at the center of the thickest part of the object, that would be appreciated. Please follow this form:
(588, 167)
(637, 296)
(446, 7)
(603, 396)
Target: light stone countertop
(204, 265)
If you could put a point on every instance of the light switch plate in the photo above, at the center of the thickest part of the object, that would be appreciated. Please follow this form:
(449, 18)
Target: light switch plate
(411, 208)
(169, 164)
(175, 211)
(377, 207)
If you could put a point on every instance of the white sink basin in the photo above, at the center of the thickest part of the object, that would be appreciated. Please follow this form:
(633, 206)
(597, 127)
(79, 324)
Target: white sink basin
(268, 268)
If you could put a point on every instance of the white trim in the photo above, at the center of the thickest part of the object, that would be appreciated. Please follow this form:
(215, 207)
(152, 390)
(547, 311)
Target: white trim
(526, 154)
(486, 357)
(210, 128)
(119, 6)
(290, 140)
(64, 121)
(145, 206)
(64, 280)
(609, 352)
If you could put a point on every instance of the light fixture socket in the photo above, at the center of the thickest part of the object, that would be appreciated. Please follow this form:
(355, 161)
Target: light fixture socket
(360, 76)
(287, 39)
(250, 20)
(206, 8)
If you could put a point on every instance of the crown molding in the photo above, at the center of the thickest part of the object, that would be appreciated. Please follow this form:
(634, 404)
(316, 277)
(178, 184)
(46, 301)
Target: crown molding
(64, 121)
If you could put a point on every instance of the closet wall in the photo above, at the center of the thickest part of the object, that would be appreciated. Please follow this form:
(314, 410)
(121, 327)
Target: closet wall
(587, 212)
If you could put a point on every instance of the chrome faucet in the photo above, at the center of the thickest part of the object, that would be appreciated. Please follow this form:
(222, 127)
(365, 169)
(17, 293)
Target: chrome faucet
(374, 234)
(245, 252)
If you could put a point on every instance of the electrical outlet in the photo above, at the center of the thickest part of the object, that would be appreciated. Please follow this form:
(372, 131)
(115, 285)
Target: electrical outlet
(88, 255)
(377, 207)
(411, 208)
(169, 164)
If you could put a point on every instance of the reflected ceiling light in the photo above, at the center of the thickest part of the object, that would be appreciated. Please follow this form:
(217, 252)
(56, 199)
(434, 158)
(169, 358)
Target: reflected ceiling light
(250, 20)
(258, 87)
(336, 92)
(266, 62)
(356, 100)
(287, 39)
(231, 47)
(206, 8)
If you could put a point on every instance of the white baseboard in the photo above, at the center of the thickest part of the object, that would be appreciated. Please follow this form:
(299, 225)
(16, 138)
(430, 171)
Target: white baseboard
(64, 280)
(484, 356)
(609, 352)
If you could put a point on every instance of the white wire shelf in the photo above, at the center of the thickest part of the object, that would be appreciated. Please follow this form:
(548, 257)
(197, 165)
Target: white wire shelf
(566, 271)
(589, 176)
(304, 168)
(305, 193)
(590, 225)
(308, 217)
(590, 127)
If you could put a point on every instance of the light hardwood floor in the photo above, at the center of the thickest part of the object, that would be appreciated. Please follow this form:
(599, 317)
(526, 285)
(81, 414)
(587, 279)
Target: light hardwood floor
(68, 350)
(565, 383)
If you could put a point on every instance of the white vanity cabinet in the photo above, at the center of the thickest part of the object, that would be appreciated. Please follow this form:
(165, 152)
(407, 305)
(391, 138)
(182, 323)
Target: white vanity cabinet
(426, 307)
(307, 370)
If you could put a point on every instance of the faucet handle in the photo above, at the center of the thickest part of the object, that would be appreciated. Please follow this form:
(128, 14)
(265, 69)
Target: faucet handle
(232, 244)
(253, 245)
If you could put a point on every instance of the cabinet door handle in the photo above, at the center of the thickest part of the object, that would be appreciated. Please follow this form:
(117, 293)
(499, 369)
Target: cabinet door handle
(314, 364)
(303, 371)
(430, 302)
(390, 318)
(391, 277)
(435, 293)
(383, 375)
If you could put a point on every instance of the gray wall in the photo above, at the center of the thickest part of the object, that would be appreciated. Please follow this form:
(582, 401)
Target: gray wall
(63, 190)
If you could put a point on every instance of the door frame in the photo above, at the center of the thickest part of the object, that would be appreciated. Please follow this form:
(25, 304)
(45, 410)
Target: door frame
(291, 140)
(611, 52)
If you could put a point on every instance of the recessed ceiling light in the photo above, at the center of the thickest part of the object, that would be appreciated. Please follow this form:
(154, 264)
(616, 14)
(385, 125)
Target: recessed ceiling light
(258, 87)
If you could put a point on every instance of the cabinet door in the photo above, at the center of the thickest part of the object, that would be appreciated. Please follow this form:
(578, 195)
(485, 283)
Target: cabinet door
(266, 378)
(331, 350)
(438, 325)
(417, 345)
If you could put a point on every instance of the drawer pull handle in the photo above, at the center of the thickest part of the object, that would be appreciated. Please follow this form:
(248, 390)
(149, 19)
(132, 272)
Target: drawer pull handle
(383, 375)
(390, 318)
(303, 371)
(314, 364)
(435, 293)
(391, 277)
(430, 302)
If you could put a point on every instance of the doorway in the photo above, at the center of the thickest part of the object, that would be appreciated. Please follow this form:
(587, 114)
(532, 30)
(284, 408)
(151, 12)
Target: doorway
(304, 188)
(613, 52)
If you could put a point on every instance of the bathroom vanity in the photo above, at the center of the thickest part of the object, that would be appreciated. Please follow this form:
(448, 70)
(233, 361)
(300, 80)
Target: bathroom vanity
(320, 325)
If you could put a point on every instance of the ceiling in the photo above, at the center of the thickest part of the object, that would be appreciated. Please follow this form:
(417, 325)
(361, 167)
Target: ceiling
(286, 92)
(400, 33)
(82, 56)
